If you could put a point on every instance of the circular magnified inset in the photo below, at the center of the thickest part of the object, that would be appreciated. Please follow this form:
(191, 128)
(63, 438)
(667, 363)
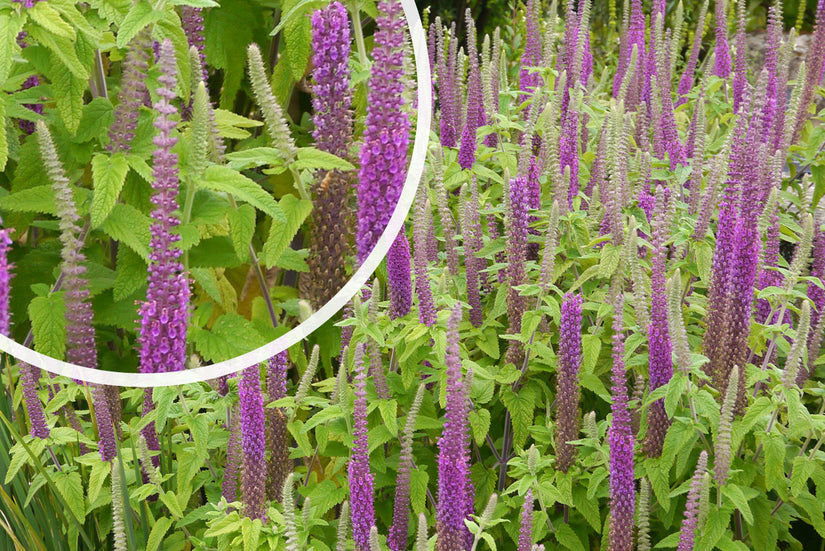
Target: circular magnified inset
(202, 218)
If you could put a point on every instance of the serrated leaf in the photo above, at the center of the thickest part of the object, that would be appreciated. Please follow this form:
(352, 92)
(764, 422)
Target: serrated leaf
(734, 493)
(68, 93)
(205, 277)
(130, 226)
(131, 273)
(230, 336)
(297, 38)
(309, 158)
(223, 179)
(64, 52)
(479, 424)
(4, 143)
(162, 525)
(108, 175)
(418, 490)
(71, 488)
(609, 260)
(100, 471)
(139, 16)
(171, 501)
(169, 26)
(520, 407)
(284, 227)
(254, 157)
(774, 446)
(48, 317)
(241, 229)
(568, 538)
(48, 18)
(389, 410)
(200, 433)
(802, 471)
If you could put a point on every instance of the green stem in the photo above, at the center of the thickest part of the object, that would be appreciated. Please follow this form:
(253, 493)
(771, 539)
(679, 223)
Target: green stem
(187, 217)
(355, 12)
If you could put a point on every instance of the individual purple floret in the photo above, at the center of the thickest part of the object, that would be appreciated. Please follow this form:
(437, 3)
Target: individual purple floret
(455, 490)
(620, 437)
(399, 276)
(253, 443)
(360, 477)
(332, 98)
(386, 133)
(567, 386)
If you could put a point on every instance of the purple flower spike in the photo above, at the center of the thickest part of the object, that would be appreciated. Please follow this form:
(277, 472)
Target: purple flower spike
(5, 280)
(253, 443)
(399, 277)
(332, 98)
(455, 490)
(516, 257)
(689, 523)
(277, 434)
(164, 314)
(421, 234)
(528, 80)
(229, 484)
(525, 535)
(192, 23)
(567, 389)
(476, 115)
(659, 344)
(620, 437)
(131, 95)
(723, 62)
(360, 477)
(29, 379)
(387, 131)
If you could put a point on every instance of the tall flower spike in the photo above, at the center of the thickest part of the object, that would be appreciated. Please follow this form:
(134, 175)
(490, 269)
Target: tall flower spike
(800, 343)
(722, 445)
(399, 276)
(448, 229)
(332, 98)
(741, 62)
(455, 490)
(567, 385)
(192, 22)
(689, 524)
(131, 95)
(80, 334)
(723, 62)
(5, 280)
(386, 132)
(29, 380)
(516, 258)
(659, 345)
(421, 232)
(229, 484)
(343, 528)
(531, 57)
(471, 223)
(643, 537)
(273, 114)
(277, 434)
(118, 512)
(360, 477)
(253, 443)
(525, 535)
(476, 116)
(622, 484)
(397, 538)
(290, 527)
(376, 360)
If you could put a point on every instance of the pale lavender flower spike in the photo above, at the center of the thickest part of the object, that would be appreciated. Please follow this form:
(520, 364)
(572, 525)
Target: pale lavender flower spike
(360, 477)
(253, 443)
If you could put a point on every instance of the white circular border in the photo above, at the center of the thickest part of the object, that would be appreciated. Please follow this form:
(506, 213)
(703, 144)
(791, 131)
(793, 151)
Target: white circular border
(344, 295)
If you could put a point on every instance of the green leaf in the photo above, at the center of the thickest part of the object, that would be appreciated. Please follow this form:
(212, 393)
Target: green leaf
(818, 178)
(609, 260)
(48, 18)
(254, 157)
(802, 471)
(774, 446)
(131, 227)
(68, 93)
(65, 54)
(704, 259)
(520, 407)
(284, 227)
(108, 175)
(100, 471)
(205, 277)
(232, 335)
(4, 143)
(159, 530)
(98, 116)
(734, 493)
(171, 501)
(71, 488)
(10, 25)
(480, 424)
(716, 524)
(48, 316)
(813, 506)
(297, 38)
(418, 490)
(389, 410)
(567, 537)
(163, 396)
(223, 179)
(241, 229)
(131, 273)
(314, 159)
(140, 15)
(251, 532)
